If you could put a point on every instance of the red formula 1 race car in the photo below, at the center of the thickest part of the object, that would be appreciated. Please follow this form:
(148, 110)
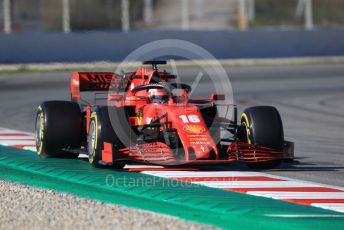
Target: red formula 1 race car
(146, 117)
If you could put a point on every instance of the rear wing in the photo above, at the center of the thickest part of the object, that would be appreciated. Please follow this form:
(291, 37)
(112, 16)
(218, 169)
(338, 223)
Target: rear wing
(95, 81)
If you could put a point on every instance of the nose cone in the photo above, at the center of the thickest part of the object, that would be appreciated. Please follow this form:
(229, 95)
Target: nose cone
(202, 152)
(193, 133)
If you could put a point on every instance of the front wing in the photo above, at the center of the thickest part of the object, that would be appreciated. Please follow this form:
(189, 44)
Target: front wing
(159, 153)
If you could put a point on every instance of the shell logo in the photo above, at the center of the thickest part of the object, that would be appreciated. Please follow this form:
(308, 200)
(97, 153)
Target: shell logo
(194, 129)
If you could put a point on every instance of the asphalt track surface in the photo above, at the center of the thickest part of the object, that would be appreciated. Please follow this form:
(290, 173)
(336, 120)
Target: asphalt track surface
(309, 98)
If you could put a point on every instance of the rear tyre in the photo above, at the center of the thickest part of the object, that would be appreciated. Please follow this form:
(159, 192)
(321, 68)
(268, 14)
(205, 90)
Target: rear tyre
(101, 131)
(58, 128)
(263, 126)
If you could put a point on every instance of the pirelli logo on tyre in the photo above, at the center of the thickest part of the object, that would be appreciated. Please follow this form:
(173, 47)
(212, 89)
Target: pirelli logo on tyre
(196, 129)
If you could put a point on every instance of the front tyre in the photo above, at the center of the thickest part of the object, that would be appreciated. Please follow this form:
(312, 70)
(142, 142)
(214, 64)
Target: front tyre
(263, 126)
(58, 128)
(101, 131)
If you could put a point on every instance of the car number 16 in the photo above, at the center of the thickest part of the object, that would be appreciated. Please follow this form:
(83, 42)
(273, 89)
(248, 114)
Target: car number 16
(189, 118)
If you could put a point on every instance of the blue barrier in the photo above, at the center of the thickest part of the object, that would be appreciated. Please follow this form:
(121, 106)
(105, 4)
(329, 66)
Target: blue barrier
(115, 46)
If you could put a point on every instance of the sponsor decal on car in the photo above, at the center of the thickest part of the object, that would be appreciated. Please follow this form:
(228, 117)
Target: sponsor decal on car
(200, 143)
(198, 139)
(194, 128)
(196, 135)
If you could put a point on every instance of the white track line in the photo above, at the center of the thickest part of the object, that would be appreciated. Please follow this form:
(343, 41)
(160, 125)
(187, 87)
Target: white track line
(292, 179)
(6, 131)
(4, 138)
(17, 142)
(300, 195)
(222, 179)
(213, 179)
(143, 166)
(255, 184)
(339, 207)
(30, 148)
(193, 174)
(10, 137)
(304, 216)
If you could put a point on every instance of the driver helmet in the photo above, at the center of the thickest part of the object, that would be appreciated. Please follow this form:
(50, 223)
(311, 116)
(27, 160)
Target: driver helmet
(158, 96)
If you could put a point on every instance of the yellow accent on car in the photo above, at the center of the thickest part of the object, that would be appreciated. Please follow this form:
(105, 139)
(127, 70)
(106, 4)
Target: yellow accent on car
(247, 125)
(139, 117)
(139, 120)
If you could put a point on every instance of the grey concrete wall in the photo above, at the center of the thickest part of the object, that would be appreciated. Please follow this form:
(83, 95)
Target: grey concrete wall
(114, 46)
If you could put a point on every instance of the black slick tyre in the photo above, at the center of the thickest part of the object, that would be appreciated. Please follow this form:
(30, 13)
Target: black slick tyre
(263, 126)
(58, 128)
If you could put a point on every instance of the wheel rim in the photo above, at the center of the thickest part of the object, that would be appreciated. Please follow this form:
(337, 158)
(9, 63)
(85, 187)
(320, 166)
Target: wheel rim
(91, 140)
(245, 123)
(39, 132)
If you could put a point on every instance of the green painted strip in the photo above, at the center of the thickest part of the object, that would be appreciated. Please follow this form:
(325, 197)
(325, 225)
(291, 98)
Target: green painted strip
(217, 207)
